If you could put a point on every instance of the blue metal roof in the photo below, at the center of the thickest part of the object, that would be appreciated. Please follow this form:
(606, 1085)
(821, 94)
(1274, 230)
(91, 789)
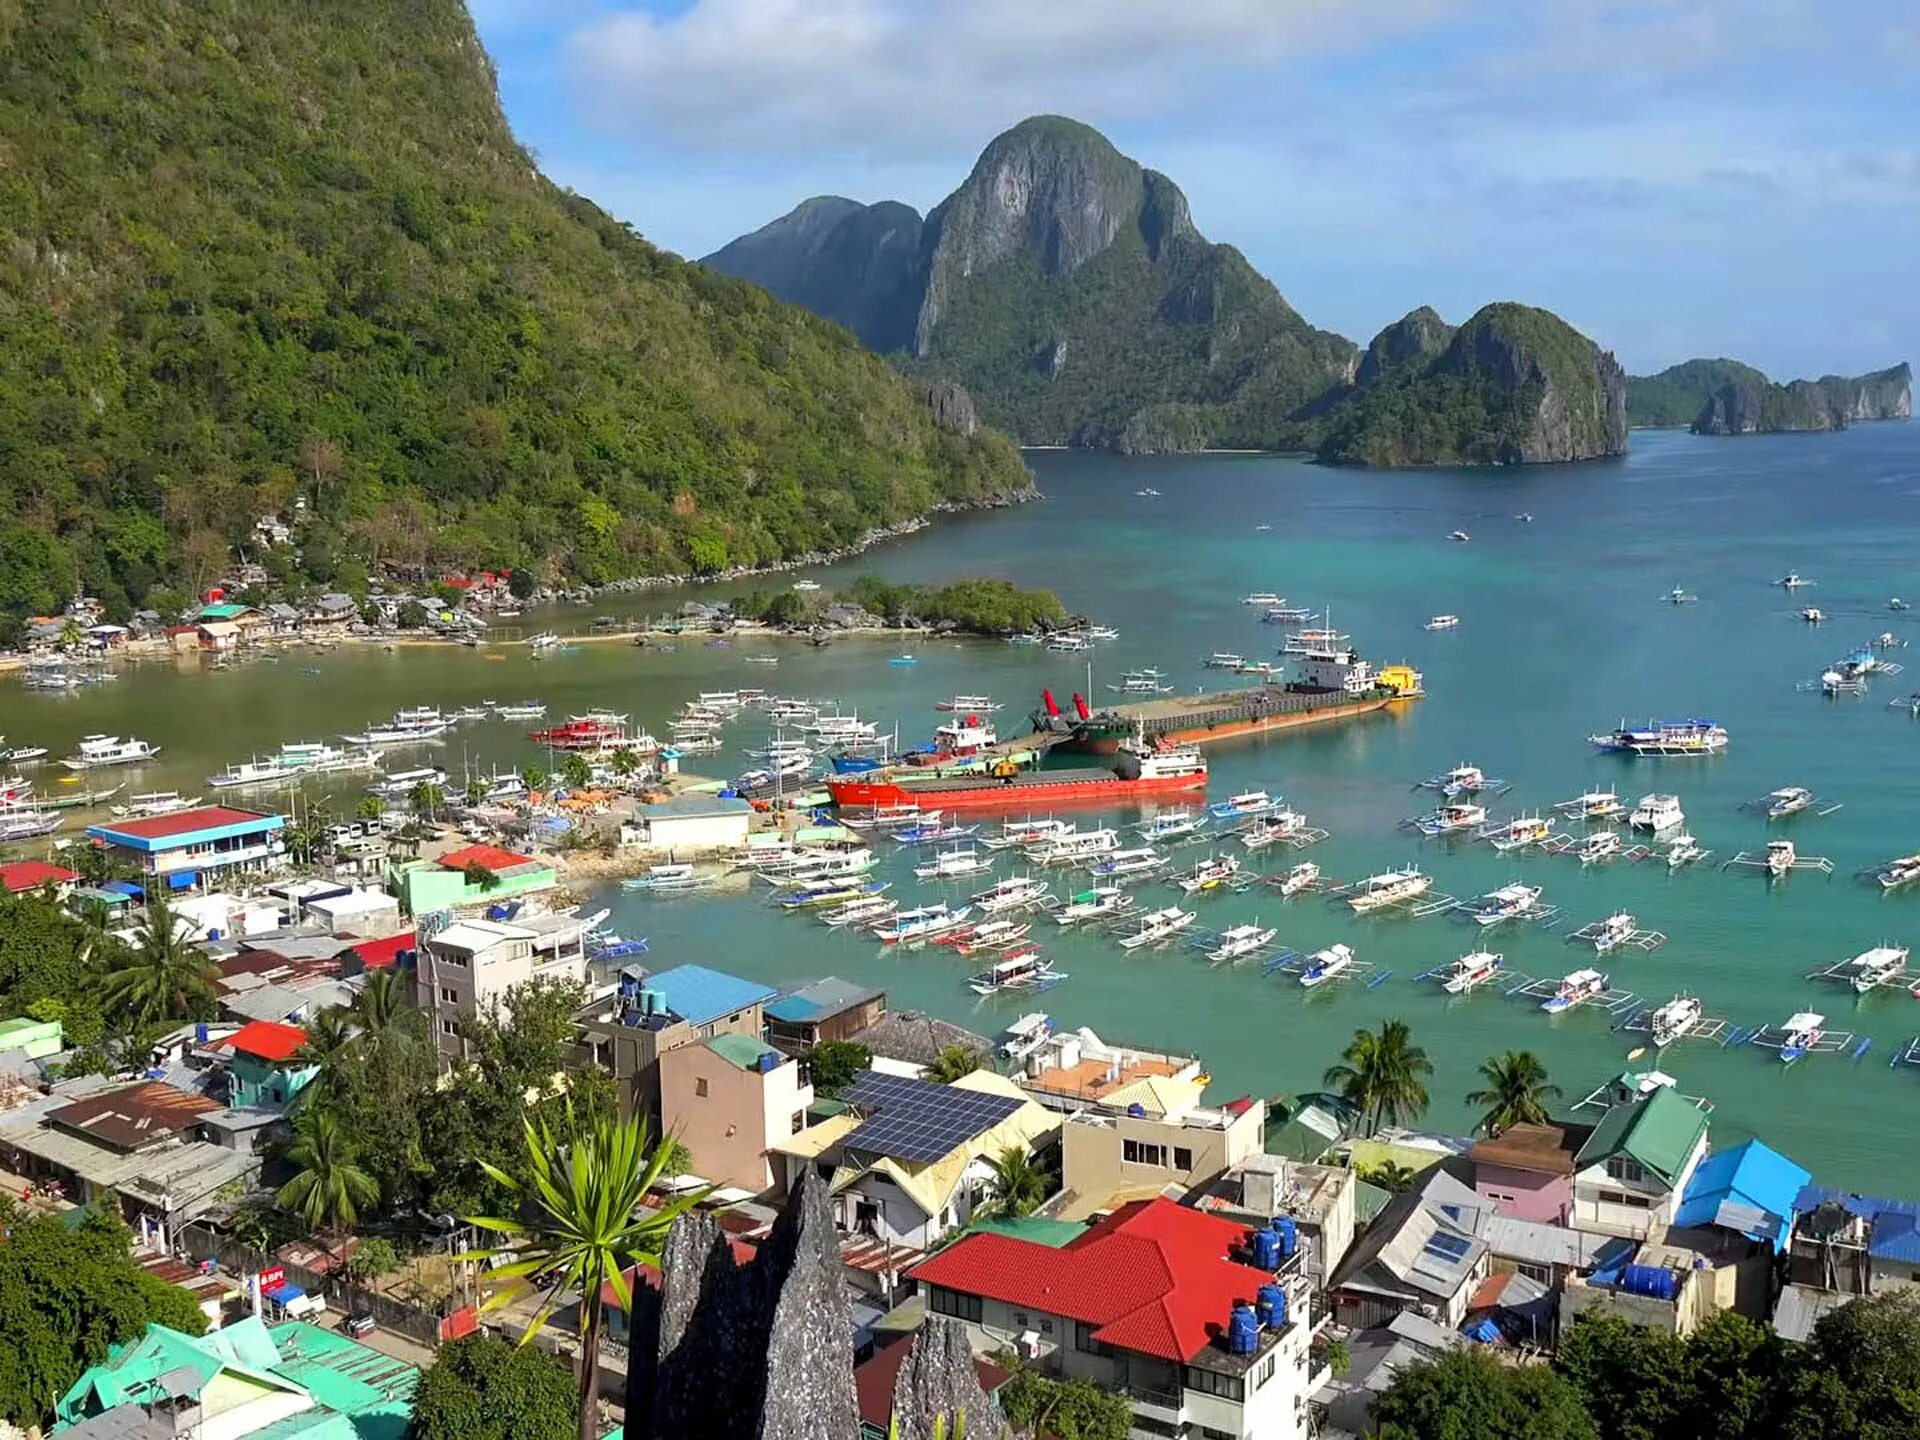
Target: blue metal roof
(1895, 1233)
(1751, 1188)
(699, 995)
(819, 1000)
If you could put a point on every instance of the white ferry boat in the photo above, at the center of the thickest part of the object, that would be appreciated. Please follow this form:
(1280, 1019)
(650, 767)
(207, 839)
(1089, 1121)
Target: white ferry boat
(97, 752)
(1656, 813)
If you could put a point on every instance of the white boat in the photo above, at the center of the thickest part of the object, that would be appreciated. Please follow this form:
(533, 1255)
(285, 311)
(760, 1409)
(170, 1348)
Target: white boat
(1678, 596)
(254, 774)
(1303, 876)
(1877, 966)
(922, 924)
(1022, 969)
(1129, 864)
(1210, 874)
(1172, 824)
(1095, 904)
(1141, 682)
(1509, 902)
(1262, 597)
(1245, 805)
(1074, 847)
(1470, 970)
(952, 865)
(1781, 858)
(806, 586)
(1674, 1019)
(1813, 615)
(1068, 641)
(1459, 536)
(994, 935)
(1017, 892)
(1272, 829)
(1224, 660)
(1575, 989)
(400, 731)
(1802, 1032)
(1593, 805)
(1683, 849)
(1155, 926)
(24, 754)
(154, 802)
(1391, 887)
(868, 910)
(968, 705)
(1443, 622)
(1595, 848)
(1614, 931)
(1030, 831)
(97, 752)
(520, 709)
(1027, 1035)
(1656, 813)
(669, 879)
(1665, 738)
(26, 823)
(1325, 965)
(400, 784)
(1896, 873)
(1519, 832)
(1792, 581)
(1102, 632)
(963, 736)
(1452, 819)
(1790, 800)
(1241, 940)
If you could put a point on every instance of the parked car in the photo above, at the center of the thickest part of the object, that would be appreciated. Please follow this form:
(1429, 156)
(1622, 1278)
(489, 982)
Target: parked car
(359, 1324)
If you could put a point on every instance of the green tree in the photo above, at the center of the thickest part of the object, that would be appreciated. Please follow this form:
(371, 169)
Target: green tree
(1516, 1092)
(475, 792)
(381, 1003)
(953, 1062)
(1858, 1375)
(834, 1063)
(576, 772)
(533, 777)
(374, 1257)
(1392, 1176)
(582, 1221)
(482, 1388)
(1066, 1409)
(1634, 1381)
(1016, 1185)
(164, 975)
(371, 807)
(1382, 1075)
(328, 1189)
(626, 760)
(521, 583)
(411, 615)
(51, 967)
(428, 799)
(479, 877)
(1469, 1395)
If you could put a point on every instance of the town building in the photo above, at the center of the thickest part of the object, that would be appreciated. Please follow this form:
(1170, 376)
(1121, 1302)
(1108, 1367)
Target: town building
(1631, 1172)
(24, 1038)
(1320, 1200)
(1527, 1170)
(1422, 1253)
(906, 1042)
(729, 1099)
(647, 1015)
(695, 824)
(828, 1009)
(474, 964)
(1845, 1245)
(25, 877)
(266, 1070)
(1153, 1303)
(1375, 1359)
(190, 848)
(456, 879)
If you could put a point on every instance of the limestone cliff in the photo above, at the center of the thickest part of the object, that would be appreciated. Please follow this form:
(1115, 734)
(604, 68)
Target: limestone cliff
(1753, 405)
(1419, 335)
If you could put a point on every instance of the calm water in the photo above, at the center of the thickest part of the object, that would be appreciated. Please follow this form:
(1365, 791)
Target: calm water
(1563, 633)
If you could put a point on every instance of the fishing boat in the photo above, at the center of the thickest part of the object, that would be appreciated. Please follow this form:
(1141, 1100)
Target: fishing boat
(1790, 800)
(254, 774)
(1303, 876)
(1683, 849)
(868, 910)
(1272, 829)
(952, 864)
(97, 752)
(670, 878)
(1138, 770)
(1224, 660)
(1018, 892)
(1792, 580)
(1593, 805)
(1575, 989)
(154, 802)
(994, 935)
(1896, 873)
(1469, 971)
(1443, 622)
(1453, 819)
(1665, 738)
(519, 709)
(1265, 598)
(1519, 832)
(933, 833)
(1509, 902)
(968, 705)
(400, 784)
(1128, 864)
(1239, 941)
(1020, 969)
(1095, 904)
(1173, 824)
(1245, 805)
(1612, 932)
(1156, 926)
(1325, 965)
(1673, 1020)
(1656, 813)
(1875, 967)
(1210, 874)
(922, 923)
(1780, 858)
(1391, 887)
(1071, 847)
(1031, 831)
(1803, 1031)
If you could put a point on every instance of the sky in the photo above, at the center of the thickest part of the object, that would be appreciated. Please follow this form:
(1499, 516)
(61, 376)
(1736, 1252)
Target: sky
(1674, 177)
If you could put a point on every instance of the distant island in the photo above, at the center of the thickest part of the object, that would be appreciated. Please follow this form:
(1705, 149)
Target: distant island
(1725, 397)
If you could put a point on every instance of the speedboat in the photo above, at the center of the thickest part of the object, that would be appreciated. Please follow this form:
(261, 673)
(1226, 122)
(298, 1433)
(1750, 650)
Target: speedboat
(1614, 931)
(1240, 941)
(1095, 904)
(1468, 971)
(1674, 1019)
(1325, 965)
(1303, 876)
(1377, 892)
(1803, 1032)
(1443, 622)
(1509, 902)
(1575, 989)
(1878, 966)
(1656, 813)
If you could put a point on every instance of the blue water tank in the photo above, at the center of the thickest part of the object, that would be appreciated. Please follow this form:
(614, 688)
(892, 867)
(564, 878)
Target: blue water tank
(1654, 1280)
(1289, 1234)
(1271, 1303)
(1265, 1246)
(1136, 1111)
(200, 1033)
(1243, 1331)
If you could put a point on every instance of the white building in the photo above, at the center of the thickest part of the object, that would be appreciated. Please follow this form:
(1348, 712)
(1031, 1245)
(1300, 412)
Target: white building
(473, 964)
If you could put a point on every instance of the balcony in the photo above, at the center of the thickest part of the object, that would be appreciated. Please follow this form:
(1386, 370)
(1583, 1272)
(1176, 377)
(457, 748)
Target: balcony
(1167, 1405)
(173, 861)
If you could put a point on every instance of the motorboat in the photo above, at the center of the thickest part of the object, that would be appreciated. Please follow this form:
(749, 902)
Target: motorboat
(1657, 813)
(1802, 1033)
(994, 935)
(1030, 831)
(1129, 864)
(1469, 971)
(1879, 966)
(1896, 873)
(1457, 818)
(1272, 829)
(1325, 965)
(1172, 824)
(1210, 874)
(1391, 887)
(1509, 902)
(97, 752)
(1301, 877)
(1020, 969)
(1156, 926)
(1792, 580)
(968, 705)
(1790, 800)
(1595, 848)
(1674, 1019)
(25, 754)
(1683, 849)
(952, 864)
(1665, 738)
(1264, 598)
(1443, 622)
(1616, 930)
(1678, 596)
(1593, 805)
(1245, 805)
(1018, 892)
(1458, 536)
(1813, 615)
(1519, 832)
(1239, 941)
(1095, 904)
(1575, 989)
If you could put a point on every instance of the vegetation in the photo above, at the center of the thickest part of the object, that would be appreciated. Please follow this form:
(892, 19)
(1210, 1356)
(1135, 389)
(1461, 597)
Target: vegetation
(1516, 1093)
(1391, 1176)
(50, 968)
(954, 1062)
(254, 254)
(1382, 1075)
(1678, 394)
(1469, 1395)
(164, 976)
(580, 1225)
(977, 607)
(481, 1388)
(834, 1063)
(1725, 396)
(66, 1296)
(1065, 1409)
(328, 1189)
(1016, 1186)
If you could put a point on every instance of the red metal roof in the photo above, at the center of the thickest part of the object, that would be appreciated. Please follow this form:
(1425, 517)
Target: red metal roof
(25, 875)
(1154, 1276)
(378, 954)
(183, 822)
(268, 1040)
(647, 1277)
(875, 1377)
(487, 857)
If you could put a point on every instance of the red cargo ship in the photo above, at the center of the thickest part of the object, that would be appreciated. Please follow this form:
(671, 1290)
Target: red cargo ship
(1136, 773)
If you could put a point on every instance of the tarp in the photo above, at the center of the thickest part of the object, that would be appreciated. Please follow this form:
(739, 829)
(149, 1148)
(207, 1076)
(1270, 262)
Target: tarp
(184, 880)
(285, 1293)
(1484, 1331)
(123, 887)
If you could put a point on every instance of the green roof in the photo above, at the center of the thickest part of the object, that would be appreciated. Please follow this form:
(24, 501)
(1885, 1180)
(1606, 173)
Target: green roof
(1369, 1199)
(223, 611)
(743, 1052)
(1037, 1229)
(1659, 1132)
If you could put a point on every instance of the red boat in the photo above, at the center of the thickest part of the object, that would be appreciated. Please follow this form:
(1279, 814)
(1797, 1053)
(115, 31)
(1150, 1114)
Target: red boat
(1136, 773)
(581, 734)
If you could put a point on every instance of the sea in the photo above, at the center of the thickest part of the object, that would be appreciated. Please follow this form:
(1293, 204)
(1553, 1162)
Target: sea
(1565, 630)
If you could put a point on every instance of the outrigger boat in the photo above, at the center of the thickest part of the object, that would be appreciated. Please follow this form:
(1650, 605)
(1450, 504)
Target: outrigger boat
(1683, 849)
(1792, 580)
(1803, 1032)
(1245, 805)
(1813, 615)
(994, 935)
(1155, 926)
(1241, 941)
(1454, 819)
(1575, 989)
(1875, 967)
(1519, 832)
(1469, 971)
(1679, 596)
(1264, 598)
(1021, 969)
(1224, 660)
(952, 865)
(832, 890)
(1071, 847)
(1303, 876)
(1657, 813)
(1095, 904)
(968, 704)
(1509, 902)
(1128, 864)
(1461, 780)
(97, 752)
(1172, 824)
(921, 924)
(1442, 622)
(1616, 930)
(1674, 1019)
(1593, 805)
(1790, 800)
(1391, 887)
(670, 878)
(1780, 858)
(1896, 873)
(1018, 892)
(1325, 965)
(1210, 874)
(1026, 832)
(1595, 848)
(868, 911)
(1141, 682)
(1273, 829)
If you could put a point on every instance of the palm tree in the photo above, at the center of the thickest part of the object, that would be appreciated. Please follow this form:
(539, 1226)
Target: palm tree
(428, 798)
(952, 1062)
(329, 1036)
(1517, 1091)
(1017, 1185)
(378, 1007)
(577, 772)
(71, 634)
(1381, 1075)
(583, 1225)
(533, 777)
(1391, 1176)
(476, 792)
(164, 976)
(625, 761)
(329, 1188)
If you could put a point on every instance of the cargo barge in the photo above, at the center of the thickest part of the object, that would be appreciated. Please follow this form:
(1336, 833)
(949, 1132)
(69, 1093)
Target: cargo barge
(1138, 772)
(1332, 685)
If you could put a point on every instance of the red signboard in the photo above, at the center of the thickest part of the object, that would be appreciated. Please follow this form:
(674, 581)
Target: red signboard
(461, 1322)
(272, 1278)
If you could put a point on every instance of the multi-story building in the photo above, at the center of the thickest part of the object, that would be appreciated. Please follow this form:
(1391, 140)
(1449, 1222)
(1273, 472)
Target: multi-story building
(729, 1099)
(189, 847)
(646, 1016)
(474, 964)
(1423, 1253)
(1319, 1199)
(828, 1009)
(1527, 1170)
(1630, 1174)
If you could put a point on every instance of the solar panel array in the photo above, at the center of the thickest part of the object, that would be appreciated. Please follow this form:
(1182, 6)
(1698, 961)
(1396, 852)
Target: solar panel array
(1446, 1246)
(918, 1119)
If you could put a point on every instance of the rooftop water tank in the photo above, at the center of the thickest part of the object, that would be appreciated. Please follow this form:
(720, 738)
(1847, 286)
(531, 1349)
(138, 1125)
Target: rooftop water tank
(1243, 1331)
(1136, 1111)
(1265, 1245)
(1289, 1234)
(1271, 1305)
(1654, 1280)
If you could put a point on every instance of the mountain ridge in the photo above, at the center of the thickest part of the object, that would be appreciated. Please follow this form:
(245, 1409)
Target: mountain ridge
(1727, 397)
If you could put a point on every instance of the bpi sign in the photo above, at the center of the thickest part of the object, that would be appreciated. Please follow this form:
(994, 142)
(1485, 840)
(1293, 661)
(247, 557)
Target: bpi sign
(271, 1278)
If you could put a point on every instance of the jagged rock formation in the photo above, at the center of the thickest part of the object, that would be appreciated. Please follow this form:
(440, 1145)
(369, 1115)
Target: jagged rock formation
(938, 1381)
(1419, 335)
(951, 405)
(1066, 287)
(1753, 405)
(1678, 393)
(1514, 385)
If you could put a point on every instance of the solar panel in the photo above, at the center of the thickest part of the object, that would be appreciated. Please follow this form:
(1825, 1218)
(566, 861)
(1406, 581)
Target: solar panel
(1445, 1246)
(917, 1119)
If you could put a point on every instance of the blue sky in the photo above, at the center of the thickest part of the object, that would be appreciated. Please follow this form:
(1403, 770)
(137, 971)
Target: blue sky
(1675, 177)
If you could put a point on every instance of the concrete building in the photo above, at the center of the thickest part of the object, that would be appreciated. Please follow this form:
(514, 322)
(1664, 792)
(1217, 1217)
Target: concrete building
(1321, 1200)
(24, 877)
(1076, 1068)
(265, 1070)
(1155, 1138)
(193, 847)
(1631, 1172)
(1527, 1170)
(452, 881)
(28, 1039)
(828, 1009)
(729, 1099)
(1422, 1253)
(474, 964)
(695, 824)
(1141, 1305)
(648, 1015)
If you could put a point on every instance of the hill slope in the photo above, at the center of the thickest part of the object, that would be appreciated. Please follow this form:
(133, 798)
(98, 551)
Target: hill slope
(1724, 397)
(1514, 385)
(1675, 395)
(252, 251)
(1066, 287)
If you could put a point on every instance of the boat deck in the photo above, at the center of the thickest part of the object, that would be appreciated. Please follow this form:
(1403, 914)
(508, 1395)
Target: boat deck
(1648, 940)
(1037, 780)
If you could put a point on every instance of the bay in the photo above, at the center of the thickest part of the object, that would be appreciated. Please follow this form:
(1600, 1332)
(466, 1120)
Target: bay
(1563, 633)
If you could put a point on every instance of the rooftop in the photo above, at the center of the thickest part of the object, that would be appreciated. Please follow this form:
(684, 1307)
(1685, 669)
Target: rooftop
(694, 807)
(1659, 1131)
(700, 996)
(188, 822)
(488, 857)
(919, 1120)
(743, 1052)
(874, 1380)
(23, 875)
(1750, 1188)
(1542, 1149)
(267, 1040)
(378, 954)
(473, 936)
(1154, 1277)
(821, 1000)
(917, 1038)
(1427, 1241)
(135, 1116)
(1086, 1069)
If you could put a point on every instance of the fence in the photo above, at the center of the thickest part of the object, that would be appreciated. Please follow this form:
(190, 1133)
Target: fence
(341, 1292)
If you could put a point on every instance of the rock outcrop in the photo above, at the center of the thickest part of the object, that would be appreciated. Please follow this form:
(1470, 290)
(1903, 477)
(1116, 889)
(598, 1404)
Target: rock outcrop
(1725, 397)
(938, 1383)
(1417, 336)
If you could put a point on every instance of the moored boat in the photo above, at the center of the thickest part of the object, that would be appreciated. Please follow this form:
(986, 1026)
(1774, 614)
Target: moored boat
(1509, 902)
(1137, 771)
(1469, 971)
(1575, 989)
(1802, 1033)
(1674, 1019)
(1325, 965)
(1239, 941)
(1155, 926)
(1657, 813)
(97, 752)
(1875, 967)
(1097, 903)
(1303, 876)
(1391, 887)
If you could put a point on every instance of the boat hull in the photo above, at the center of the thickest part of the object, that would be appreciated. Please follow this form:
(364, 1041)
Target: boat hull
(1030, 789)
(1233, 715)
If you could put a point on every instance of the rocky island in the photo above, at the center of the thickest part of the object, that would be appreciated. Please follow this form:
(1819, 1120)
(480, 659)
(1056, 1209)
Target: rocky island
(1725, 397)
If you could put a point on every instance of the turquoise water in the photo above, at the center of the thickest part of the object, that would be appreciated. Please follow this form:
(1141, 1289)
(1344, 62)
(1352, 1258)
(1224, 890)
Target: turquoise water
(1563, 633)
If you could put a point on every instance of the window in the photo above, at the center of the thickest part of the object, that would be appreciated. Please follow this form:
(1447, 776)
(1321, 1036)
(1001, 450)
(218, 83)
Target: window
(1020, 1321)
(1206, 1382)
(700, 1085)
(1625, 1167)
(450, 958)
(1265, 1372)
(952, 1302)
(799, 1121)
(1182, 1159)
(1621, 1197)
(449, 996)
(1139, 1152)
(1046, 1326)
(1207, 1432)
(1084, 1342)
(1542, 1273)
(449, 1027)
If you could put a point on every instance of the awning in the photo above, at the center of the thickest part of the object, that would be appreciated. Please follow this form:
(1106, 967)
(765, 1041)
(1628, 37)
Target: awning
(183, 880)
(284, 1294)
